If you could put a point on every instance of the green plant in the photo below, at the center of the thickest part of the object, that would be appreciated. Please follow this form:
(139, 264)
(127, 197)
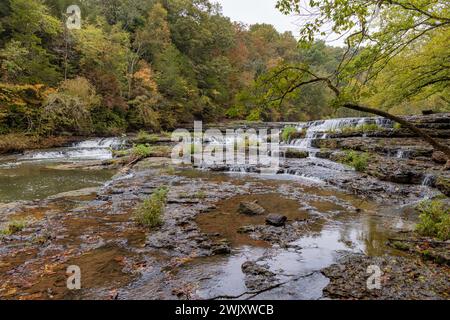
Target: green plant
(358, 161)
(369, 127)
(143, 137)
(13, 227)
(397, 125)
(141, 151)
(287, 132)
(434, 219)
(150, 213)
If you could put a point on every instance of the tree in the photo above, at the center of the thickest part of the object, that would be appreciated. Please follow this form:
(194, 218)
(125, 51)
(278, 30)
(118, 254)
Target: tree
(376, 32)
(29, 26)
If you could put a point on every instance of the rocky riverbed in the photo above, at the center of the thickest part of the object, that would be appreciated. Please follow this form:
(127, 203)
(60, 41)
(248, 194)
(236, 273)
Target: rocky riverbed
(308, 231)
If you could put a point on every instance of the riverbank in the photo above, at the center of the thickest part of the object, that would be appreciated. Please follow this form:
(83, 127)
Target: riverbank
(19, 143)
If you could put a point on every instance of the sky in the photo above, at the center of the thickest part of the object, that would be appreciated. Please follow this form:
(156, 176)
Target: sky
(263, 11)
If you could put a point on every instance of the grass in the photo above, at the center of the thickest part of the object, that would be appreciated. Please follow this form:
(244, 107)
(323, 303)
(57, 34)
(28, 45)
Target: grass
(369, 127)
(358, 161)
(434, 218)
(13, 227)
(287, 133)
(358, 129)
(145, 137)
(150, 213)
(141, 151)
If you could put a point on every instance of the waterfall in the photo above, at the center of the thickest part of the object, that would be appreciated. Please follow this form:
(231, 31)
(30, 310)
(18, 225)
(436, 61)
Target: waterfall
(429, 180)
(321, 128)
(93, 149)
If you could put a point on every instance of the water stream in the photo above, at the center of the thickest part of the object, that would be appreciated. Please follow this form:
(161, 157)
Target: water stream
(35, 174)
(342, 223)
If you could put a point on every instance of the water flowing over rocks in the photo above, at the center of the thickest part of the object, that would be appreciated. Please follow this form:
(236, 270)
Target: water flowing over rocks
(307, 231)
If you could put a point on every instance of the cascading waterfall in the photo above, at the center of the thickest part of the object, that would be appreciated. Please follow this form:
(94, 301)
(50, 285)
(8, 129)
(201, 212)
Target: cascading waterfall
(320, 129)
(93, 149)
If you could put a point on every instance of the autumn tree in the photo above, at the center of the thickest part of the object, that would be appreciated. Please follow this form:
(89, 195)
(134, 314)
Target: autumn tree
(376, 32)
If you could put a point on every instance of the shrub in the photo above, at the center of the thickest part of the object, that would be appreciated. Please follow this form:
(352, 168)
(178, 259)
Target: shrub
(397, 125)
(20, 107)
(434, 219)
(287, 133)
(13, 227)
(141, 151)
(358, 161)
(150, 212)
(369, 127)
(358, 129)
(69, 109)
(145, 137)
(15, 142)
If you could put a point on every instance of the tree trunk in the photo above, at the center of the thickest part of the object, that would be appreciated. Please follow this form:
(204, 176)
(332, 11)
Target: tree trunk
(407, 124)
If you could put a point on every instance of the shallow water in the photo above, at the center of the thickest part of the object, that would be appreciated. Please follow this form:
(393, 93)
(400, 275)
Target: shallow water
(343, 223)
(339, 232)
(33, 175)
(30, 181)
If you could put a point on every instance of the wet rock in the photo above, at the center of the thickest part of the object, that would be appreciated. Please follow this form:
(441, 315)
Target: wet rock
(276, 220)
(219, 168)
(439, 157)
(246, 229)
(221, 247)
(401, 278)
(251, 208)
(257, 277)
(323, 154)
(297, 154)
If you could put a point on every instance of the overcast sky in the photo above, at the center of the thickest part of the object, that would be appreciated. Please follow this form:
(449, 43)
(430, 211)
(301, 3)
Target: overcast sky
(262, 11)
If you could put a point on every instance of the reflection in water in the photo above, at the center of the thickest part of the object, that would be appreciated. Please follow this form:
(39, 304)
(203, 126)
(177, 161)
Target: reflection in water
(226, 219)
(340, 231)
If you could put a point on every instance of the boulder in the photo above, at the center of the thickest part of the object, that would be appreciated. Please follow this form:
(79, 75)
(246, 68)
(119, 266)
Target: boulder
(276, 220)
(251, 208)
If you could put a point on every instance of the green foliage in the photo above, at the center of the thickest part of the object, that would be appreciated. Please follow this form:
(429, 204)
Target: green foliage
(153, 65)
(434, 219)
(397, 126)
(150, 213)
(398, 65)
(20, 107)
(69, 109)
(359, 129)
(24, 58)
(358, 161)
(13, 227)
(145, 137)
(287, 132)
(141, 151)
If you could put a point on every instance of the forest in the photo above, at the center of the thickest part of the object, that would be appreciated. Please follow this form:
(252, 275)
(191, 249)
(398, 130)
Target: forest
(160, 64)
